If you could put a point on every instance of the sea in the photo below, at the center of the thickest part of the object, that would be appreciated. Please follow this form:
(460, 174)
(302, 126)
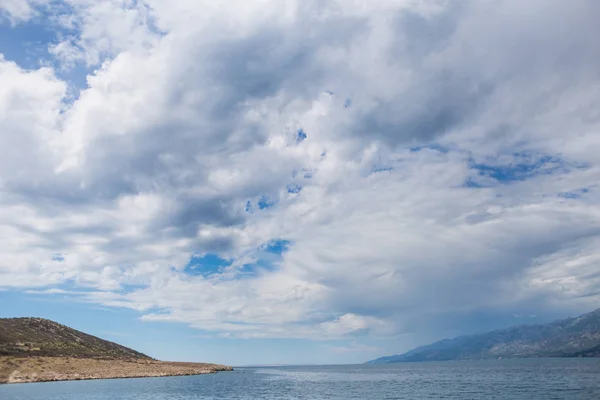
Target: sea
(528, 379)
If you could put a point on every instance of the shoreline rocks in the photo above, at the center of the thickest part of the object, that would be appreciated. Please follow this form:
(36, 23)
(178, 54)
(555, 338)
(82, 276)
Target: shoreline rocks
(49, 369)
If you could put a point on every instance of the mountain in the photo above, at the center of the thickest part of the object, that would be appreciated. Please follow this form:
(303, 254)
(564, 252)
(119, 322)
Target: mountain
(42, 337)
(571, 337)
(37, 350)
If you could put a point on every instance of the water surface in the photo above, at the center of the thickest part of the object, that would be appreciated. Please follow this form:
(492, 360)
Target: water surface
(498, 379)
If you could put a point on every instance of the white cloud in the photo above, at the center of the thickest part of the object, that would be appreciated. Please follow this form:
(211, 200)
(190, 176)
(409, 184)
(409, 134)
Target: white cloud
(20, 10)
(103, 29)
(354, 348)
(194, 111)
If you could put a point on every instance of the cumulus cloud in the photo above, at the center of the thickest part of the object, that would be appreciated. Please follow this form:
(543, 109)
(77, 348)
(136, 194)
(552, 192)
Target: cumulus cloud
(419, 160)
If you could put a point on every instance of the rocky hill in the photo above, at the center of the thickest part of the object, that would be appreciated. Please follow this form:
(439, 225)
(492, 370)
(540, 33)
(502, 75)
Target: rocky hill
(37, 349)
(42, 337)
(572, 337)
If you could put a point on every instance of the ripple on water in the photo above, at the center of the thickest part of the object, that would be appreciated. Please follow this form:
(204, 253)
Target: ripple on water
(502, 380)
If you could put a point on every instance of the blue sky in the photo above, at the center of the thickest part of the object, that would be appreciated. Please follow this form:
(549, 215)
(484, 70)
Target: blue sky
(297, 182)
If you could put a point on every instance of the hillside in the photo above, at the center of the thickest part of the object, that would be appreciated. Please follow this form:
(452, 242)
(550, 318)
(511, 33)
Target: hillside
(37, 350)
(572, 337)
(42, 337)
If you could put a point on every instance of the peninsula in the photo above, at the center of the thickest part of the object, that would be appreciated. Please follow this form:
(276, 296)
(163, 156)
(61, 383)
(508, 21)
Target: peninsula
(40, 350)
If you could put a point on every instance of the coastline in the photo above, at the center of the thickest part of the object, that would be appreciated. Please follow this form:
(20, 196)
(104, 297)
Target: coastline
(52, 369)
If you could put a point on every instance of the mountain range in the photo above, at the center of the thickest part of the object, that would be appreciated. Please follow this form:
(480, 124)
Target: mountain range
(571, 337)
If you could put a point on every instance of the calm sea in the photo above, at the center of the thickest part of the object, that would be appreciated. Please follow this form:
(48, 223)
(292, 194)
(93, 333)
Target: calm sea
(502, 379)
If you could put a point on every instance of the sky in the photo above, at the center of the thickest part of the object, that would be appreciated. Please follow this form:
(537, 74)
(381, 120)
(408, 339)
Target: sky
(298, 181)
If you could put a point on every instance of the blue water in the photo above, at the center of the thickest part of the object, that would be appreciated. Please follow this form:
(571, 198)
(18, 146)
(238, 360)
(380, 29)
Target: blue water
(502, 379)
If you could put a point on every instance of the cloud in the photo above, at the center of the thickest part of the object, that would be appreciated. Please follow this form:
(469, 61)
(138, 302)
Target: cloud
(353, 348)
(18, 11)
(429, 184)
(95, 31)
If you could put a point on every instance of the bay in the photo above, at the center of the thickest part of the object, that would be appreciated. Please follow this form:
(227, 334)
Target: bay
(487, 379)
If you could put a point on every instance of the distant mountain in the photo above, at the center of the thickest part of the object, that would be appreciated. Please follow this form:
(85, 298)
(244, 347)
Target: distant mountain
(572, 337)
(41, 337)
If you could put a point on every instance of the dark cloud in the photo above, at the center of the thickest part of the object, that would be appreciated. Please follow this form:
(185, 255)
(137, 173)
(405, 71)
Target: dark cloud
(179, 131)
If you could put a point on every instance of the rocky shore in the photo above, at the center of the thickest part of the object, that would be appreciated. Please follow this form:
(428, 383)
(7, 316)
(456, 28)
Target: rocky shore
(46, 369)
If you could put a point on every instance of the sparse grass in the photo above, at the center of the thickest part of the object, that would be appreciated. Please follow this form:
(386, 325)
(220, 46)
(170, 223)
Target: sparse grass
(42, 337)
(36, 350)
(19, 370)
